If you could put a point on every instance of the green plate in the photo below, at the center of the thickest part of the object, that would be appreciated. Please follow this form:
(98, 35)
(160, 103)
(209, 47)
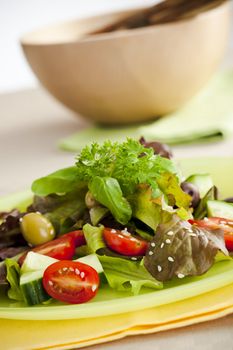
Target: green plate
(109, 302)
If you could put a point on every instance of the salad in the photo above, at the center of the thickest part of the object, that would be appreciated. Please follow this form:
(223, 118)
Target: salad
(122, 217)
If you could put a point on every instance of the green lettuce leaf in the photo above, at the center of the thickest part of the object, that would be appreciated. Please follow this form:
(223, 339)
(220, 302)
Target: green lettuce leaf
(181, 249)
(94, 237)
(201, 211)
(145, 208)
(13, 274)
(61, 181)
(125, 275)
(170, 186)
(107, 191)
(62, 210)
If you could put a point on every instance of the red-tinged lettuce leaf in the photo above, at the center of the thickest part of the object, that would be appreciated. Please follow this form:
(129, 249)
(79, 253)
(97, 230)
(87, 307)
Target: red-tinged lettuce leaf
(10, 234)
(181, 249)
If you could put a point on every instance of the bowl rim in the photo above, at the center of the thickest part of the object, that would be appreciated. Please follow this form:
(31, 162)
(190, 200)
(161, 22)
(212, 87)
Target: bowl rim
(28, 39)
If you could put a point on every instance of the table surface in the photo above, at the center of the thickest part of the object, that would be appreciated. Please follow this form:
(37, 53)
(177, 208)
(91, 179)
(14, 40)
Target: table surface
(32, 123)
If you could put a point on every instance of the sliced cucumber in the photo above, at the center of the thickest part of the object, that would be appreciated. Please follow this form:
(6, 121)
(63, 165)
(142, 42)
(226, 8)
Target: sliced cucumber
(32, 274)
(35, 262)
(202, 181)
(93, 261)
(220, 209)
(32, 288)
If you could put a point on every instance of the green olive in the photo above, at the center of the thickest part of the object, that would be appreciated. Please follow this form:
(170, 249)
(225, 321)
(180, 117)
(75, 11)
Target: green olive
(36, 228)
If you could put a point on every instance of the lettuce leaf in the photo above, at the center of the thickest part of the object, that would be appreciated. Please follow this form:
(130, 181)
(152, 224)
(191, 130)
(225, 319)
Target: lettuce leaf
(201, 211)
(13, 274)
(174, 195)
(125, 275)
(62, 210)
(181, 249)
(107, 191)
(94, 237)
(61, 181)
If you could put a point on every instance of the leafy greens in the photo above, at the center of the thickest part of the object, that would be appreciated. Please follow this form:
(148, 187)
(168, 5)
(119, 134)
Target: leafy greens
(181, 249)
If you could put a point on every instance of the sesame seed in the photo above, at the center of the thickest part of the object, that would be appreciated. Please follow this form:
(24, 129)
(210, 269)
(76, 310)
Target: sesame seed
(65, 269)
(82, 274)
(132, 239)
(77, 271)
(206, 219)
(38, 212)
(94, 287)
(113, 231)
(133, 258)
(20, 220)
(125, 233)
(159, 268)
(71, 269)
(162, 245)
(120, 236)
(168, 241)
(170, 258)
(150, 252)
(50, 283)
(170, 233)
(152, 244)
(180, 275)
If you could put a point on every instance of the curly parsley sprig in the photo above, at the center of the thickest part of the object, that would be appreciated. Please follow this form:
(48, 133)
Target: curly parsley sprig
(128, 162)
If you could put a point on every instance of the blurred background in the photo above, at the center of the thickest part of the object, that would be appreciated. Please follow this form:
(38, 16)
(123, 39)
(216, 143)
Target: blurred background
(36, 122)
(20, 17)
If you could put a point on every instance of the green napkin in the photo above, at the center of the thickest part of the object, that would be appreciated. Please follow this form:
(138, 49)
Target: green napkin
(207, 117)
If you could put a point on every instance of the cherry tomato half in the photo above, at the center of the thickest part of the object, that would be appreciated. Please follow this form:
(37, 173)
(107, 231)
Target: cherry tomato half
(62, 248)
(78, 237)
(124, 242)
(71, 281)
(215, 223)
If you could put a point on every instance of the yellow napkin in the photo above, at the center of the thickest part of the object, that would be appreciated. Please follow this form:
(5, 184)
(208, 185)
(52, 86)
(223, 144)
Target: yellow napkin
(68, 334)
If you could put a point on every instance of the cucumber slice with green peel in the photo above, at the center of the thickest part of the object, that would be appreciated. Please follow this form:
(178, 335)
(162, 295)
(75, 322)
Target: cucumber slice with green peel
(32, 288)
(32, 272)
(220, 209)
(35, 262)
(202, 181)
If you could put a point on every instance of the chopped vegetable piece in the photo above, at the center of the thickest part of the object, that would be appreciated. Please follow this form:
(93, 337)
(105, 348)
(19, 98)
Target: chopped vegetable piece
(218, 224)
(71, 282)
(123, 242)
(181, 249)
(62, 248)
(126, 275)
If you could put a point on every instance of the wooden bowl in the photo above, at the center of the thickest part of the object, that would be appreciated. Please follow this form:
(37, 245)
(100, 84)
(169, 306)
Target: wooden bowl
(130, 75)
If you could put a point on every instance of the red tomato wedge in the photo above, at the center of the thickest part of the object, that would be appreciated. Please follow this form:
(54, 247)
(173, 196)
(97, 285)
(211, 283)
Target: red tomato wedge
(71, 281)
(215, 223)
(123, 242)
(62, 248)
